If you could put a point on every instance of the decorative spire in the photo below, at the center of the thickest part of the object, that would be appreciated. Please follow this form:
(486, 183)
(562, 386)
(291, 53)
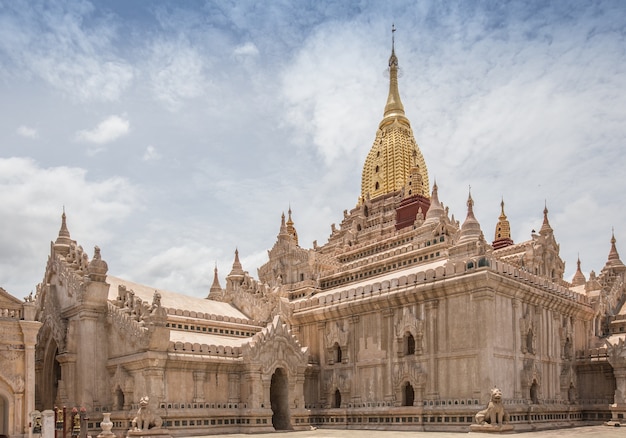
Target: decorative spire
(470, 230)
(579, 277)
(503, 230)
(63, 241)
(394, 108)
(613, 259)
(545, 227)
(290, 228)
(215, 287)
(435, 211)
(64, 233)
(395, 151)
(237, 268)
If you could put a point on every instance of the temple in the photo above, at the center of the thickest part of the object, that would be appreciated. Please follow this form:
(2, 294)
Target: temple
(405, 318)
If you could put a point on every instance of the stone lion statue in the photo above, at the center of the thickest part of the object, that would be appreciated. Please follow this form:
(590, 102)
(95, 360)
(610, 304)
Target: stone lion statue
(146, 419)
(495, 413)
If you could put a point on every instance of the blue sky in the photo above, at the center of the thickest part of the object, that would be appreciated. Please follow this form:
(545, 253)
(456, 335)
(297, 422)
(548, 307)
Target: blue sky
(175, 132)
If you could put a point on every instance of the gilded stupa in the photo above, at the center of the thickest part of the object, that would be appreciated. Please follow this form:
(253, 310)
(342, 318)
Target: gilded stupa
(394, 156)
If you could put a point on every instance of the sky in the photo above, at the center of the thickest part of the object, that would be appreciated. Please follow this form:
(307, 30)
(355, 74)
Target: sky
(173, 133)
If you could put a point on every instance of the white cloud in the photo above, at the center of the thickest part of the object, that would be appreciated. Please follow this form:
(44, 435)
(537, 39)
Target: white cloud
(247, 49)
(176, 73)
(331, 89)
(67, 47)
(108, 130)
(27, 132)
(32, 198)
(151, 154)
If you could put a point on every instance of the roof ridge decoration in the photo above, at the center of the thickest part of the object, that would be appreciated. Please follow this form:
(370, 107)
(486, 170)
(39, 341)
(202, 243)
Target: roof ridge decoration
(276, 346)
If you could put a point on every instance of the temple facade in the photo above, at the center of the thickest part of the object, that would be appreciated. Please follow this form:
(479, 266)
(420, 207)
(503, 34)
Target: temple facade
(404, 319)
(17, 363)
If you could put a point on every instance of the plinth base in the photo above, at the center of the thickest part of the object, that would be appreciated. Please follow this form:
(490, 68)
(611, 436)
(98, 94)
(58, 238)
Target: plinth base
(488, 428)
(149, 433)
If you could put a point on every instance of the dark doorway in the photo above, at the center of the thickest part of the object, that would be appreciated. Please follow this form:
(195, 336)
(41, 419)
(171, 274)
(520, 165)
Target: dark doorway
(410, 344)
(337, 400)
(534, 389)
(409, 395)
(279, 399)
(119, 399)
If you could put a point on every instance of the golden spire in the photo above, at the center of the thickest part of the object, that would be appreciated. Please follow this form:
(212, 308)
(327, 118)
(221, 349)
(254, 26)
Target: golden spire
(394, 152)
(394, 108)
(503, 230)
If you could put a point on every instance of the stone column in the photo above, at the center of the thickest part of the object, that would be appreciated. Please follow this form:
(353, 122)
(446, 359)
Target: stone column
(155, 383)
(484, 311)
(517, 391)
(29, 331)
(432, 389)
(234, 388)
(198, 386)
(354, 355)
(388, 336)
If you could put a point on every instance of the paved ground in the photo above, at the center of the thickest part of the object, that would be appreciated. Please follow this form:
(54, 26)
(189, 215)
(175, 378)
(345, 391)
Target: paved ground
(585, 432)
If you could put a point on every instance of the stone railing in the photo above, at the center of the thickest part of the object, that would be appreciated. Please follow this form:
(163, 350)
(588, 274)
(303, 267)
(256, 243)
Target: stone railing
(10, 313)
(449, 270)
(593, 354)
(207, 316)
(127, 324)
(213, 350)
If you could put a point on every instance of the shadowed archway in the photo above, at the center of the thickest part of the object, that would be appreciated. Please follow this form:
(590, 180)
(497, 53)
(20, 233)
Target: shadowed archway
(279, 399)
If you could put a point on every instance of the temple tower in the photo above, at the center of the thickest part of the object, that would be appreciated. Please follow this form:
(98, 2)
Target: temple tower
(394, 156)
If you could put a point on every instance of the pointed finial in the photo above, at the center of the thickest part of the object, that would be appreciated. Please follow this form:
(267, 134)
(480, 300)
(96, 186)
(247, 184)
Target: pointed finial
(613, 254)
(470, 203)
(216, 288)
(579, 277)
(545, 227)
(393, 42)
(63, 237)
(503, 230)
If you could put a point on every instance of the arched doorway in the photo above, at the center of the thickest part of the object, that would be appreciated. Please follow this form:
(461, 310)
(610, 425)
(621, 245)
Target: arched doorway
(408, 395)
(119, 399)
(337, 399)
(534, 389)
(279, 399)
(48, 375)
